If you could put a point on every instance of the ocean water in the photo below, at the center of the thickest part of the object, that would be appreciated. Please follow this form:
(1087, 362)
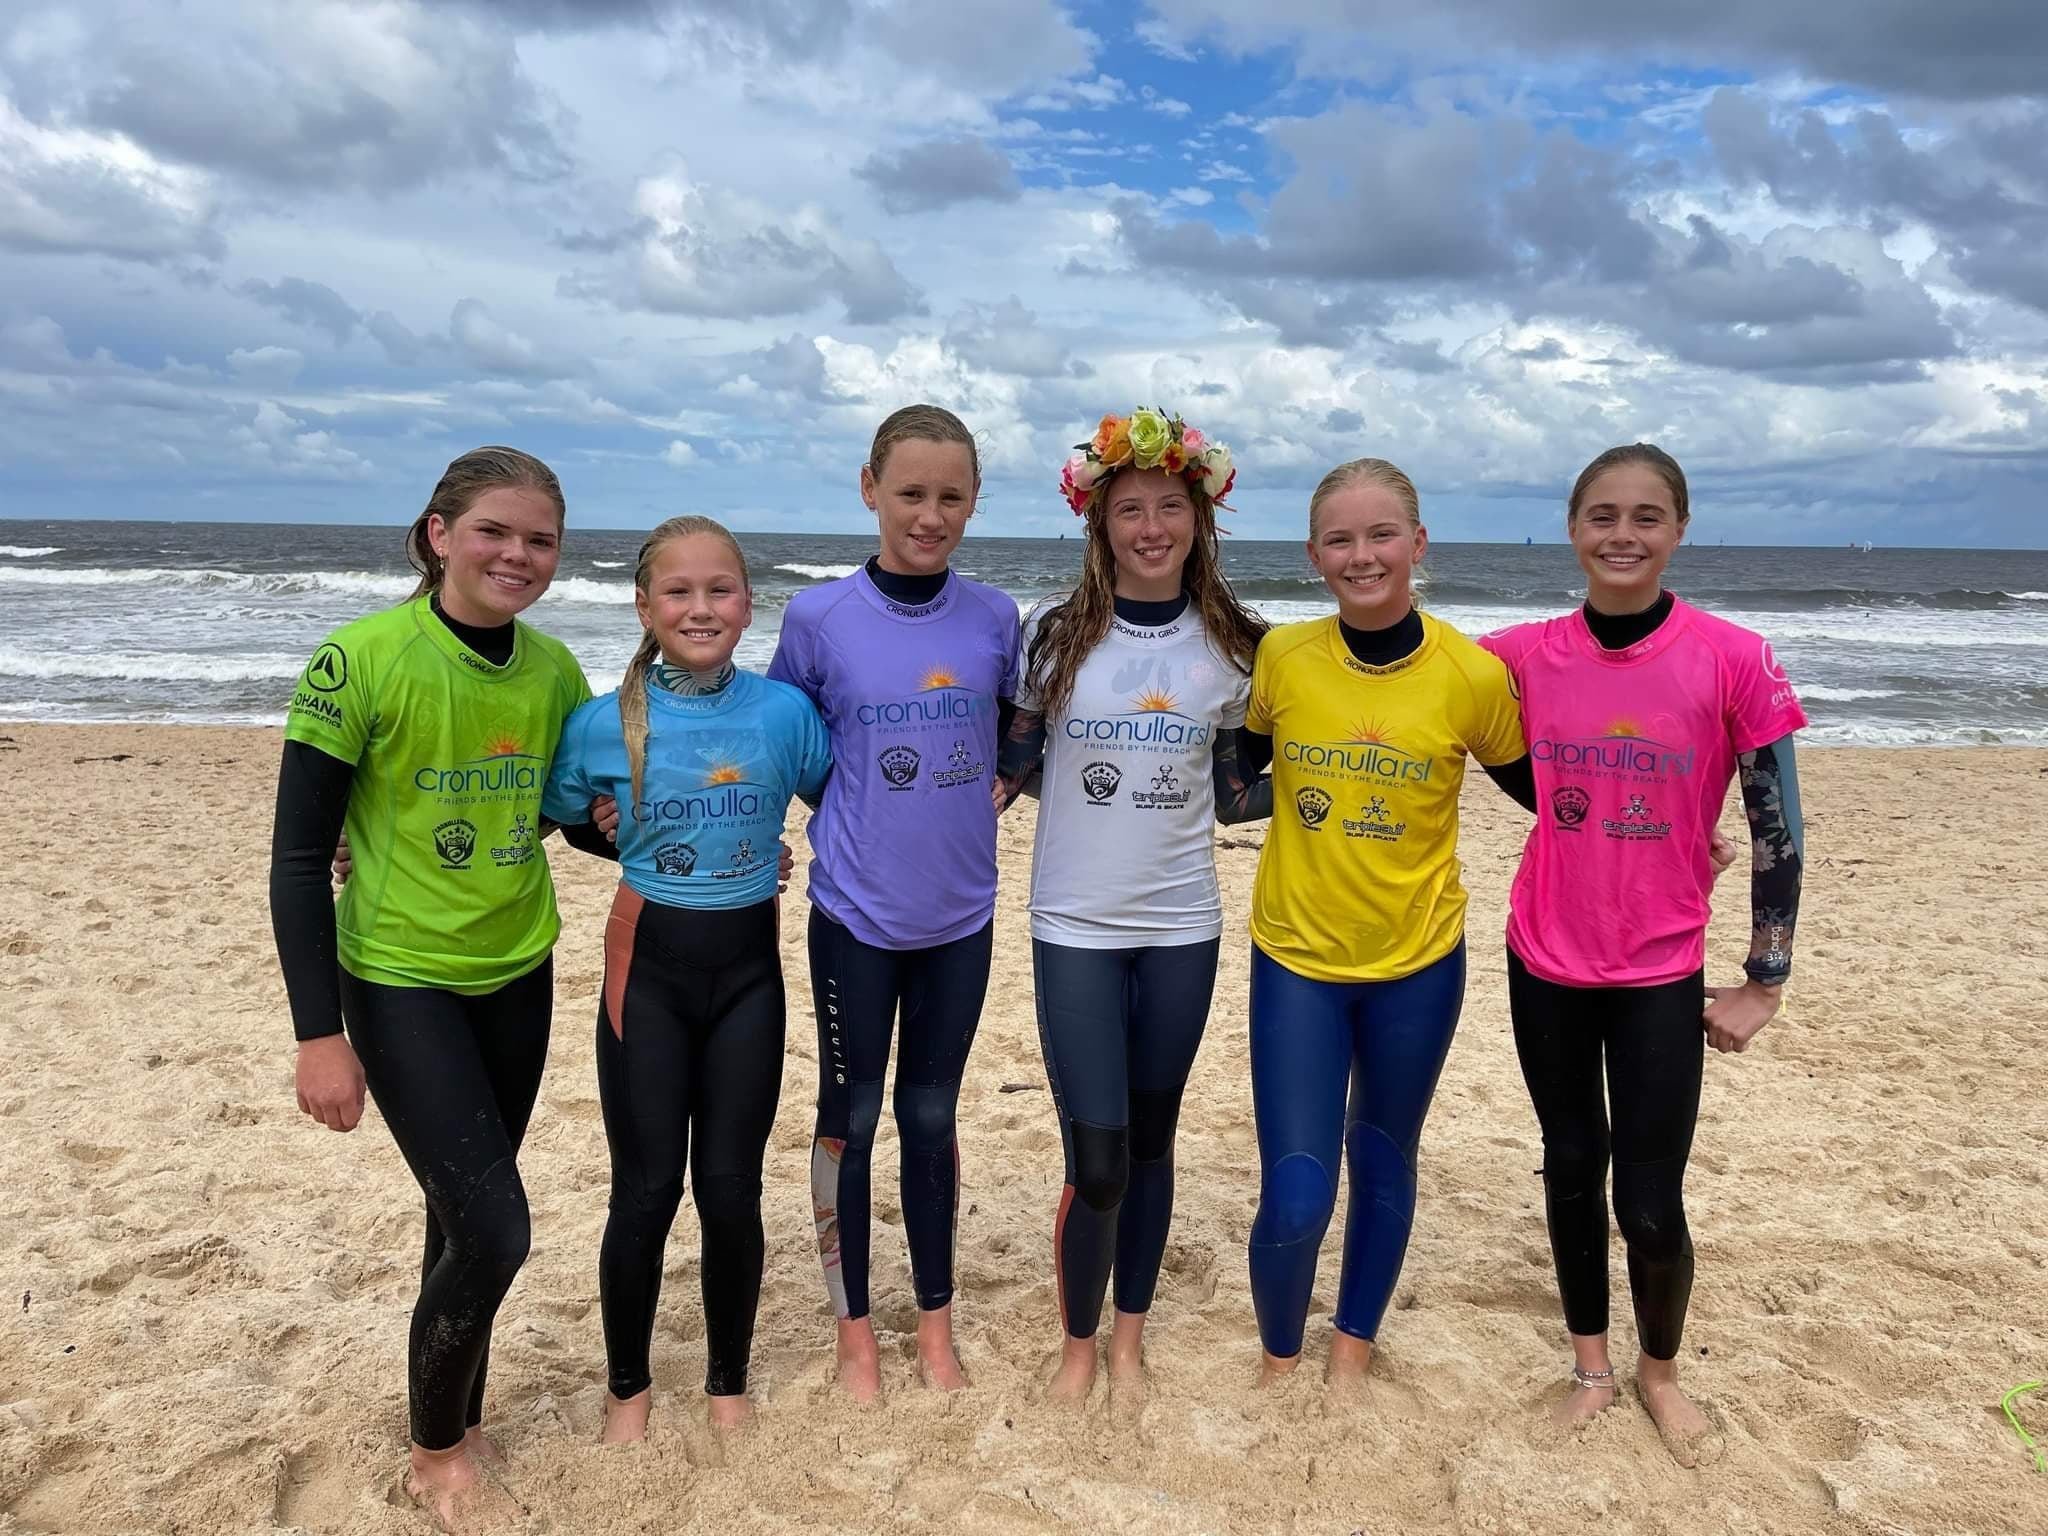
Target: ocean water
(198, 622)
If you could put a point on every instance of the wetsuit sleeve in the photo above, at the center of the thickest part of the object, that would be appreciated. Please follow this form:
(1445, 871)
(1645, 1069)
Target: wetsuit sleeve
(585, 837)
(1770, 799)
(312, 803)
(1244, 792)
(1022, 752)
(1516, 780)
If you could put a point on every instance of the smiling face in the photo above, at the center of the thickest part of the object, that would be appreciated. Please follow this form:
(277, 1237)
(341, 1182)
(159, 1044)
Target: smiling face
(1624, 531)
(696, 602)
(922, 498)
(500, 554)
(1149, 520)
(1365, 547)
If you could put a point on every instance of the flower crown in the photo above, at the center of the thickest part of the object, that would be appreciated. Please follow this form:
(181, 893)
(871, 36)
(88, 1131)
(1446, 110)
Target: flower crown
(1145, 439)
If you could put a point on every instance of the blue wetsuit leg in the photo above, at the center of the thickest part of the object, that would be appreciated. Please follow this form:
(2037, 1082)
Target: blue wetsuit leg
(1388, 1040)
(1301, 1059)
(1401, 1036)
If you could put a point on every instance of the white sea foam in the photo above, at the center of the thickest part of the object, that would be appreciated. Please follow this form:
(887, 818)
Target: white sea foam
(28, 551)
(369, 584)
(819, 572)
(142, 667)
(585, 589)
(1816, 693)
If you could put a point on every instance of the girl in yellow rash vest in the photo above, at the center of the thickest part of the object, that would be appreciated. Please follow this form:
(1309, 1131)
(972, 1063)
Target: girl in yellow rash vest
(1358, 916)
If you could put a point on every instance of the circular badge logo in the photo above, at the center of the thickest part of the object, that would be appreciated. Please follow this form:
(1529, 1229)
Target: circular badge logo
(328, 670)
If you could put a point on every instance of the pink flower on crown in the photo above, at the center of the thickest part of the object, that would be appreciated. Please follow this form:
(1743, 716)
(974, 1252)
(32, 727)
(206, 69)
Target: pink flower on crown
(1193, 441)
(1080, 479)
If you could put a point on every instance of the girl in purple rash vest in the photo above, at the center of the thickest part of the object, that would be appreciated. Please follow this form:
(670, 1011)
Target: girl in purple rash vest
(913, 669)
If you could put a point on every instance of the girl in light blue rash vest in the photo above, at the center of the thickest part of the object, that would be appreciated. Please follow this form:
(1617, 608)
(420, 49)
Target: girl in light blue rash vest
(913, 667)
(703, 760)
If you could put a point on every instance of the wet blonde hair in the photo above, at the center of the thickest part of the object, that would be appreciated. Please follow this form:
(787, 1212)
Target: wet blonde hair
(465, 480)
(1388, 477)
(633, 687)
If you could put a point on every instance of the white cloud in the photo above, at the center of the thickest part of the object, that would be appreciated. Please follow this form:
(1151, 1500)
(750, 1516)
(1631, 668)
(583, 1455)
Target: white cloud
(679, 454)
(74, 190)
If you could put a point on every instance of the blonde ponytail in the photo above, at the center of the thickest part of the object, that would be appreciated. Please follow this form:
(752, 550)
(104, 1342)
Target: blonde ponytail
(633, 708)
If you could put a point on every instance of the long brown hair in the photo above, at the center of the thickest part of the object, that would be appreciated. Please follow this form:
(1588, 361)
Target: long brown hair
(633, 686)
(1068, 633)
(1650, 456)
(461, 483)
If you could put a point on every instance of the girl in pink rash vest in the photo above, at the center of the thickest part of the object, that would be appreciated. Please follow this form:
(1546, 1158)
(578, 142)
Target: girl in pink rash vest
(1639, 709)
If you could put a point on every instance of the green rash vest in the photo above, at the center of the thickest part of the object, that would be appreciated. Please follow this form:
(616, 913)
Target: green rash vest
(450, 887)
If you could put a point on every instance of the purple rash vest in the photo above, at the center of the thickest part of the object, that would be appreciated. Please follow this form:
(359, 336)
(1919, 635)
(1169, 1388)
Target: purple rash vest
(904, 842)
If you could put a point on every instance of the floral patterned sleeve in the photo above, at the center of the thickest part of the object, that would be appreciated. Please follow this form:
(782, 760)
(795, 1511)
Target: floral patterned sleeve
(1770, 798)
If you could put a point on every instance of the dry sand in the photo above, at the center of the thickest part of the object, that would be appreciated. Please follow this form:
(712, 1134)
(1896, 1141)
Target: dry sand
(209, 1293)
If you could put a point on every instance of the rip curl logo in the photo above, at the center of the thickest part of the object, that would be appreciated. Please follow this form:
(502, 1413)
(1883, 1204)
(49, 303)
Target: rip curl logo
(899, 766)
(1154, 719)
(674, 859)
(1623, 748)
(942, 701)
(1313, 806)
(1099, 782)
(1367, 755)
(455, 841)
(1569, 805)
(1637, 822)
(1376, 822)
(519, 844)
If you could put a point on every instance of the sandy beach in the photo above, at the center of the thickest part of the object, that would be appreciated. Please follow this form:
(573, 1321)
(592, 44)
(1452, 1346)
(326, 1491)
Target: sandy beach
(206, 1295)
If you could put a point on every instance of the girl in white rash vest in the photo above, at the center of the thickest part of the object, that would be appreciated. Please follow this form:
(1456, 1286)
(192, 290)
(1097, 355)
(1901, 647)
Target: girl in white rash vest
(1134, 687)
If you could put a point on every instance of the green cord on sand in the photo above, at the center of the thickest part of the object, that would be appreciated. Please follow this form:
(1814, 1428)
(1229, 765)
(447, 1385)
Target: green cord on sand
(2040, 1461)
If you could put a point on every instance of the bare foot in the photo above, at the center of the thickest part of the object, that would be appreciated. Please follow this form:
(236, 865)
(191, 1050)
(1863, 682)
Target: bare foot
(860, 1359)
(1582, 1404)
(1127, 1361)
(1273, 1369)
(1687, 1433)
(1350, 1359)
(449, 1486)
(625, 1419)
(937, 1363)
(483, 1448)
(1075, 1378)
(730, 1412)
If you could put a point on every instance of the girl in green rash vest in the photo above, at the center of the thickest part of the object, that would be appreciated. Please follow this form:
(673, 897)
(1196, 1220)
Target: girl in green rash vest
(428, 729)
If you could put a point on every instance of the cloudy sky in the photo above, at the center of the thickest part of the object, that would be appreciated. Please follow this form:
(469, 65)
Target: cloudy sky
(282, 259)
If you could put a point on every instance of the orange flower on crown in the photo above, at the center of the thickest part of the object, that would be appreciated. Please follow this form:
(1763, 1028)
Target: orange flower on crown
(1113, 441)
(1145, 439)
